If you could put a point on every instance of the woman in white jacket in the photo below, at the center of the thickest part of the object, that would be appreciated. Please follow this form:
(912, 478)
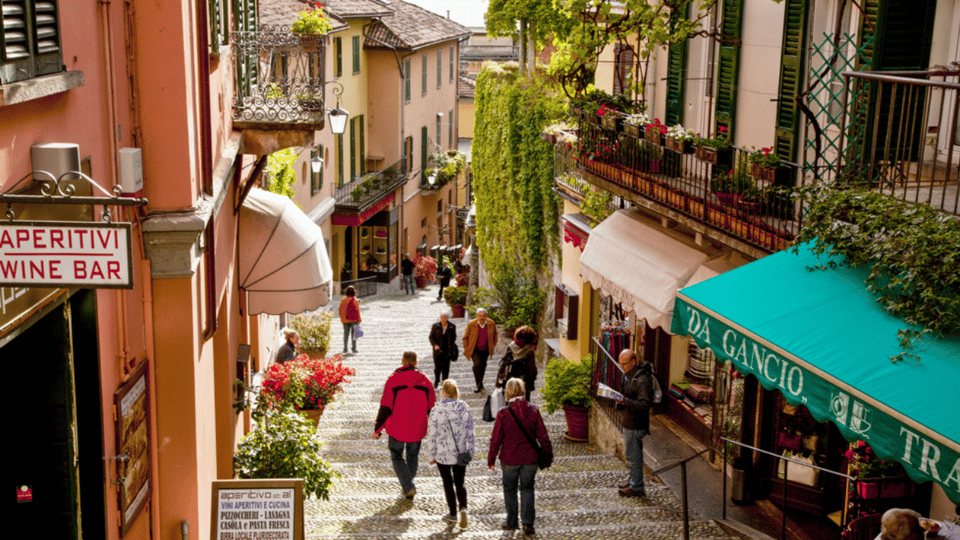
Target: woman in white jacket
(450, 433)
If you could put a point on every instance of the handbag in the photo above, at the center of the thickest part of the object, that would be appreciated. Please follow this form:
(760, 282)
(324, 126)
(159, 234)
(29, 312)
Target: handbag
(789, 440)
(496, 401)
(357, 331)
(487, 413)
(463, 458)
(544, 458)
(799, 473)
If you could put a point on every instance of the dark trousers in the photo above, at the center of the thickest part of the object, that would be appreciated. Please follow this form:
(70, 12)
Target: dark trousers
(441, 367)
(479, 365)
(453, 488)
(520, 477)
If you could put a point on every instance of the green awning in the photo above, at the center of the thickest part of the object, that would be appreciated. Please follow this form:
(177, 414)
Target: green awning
(821, 339)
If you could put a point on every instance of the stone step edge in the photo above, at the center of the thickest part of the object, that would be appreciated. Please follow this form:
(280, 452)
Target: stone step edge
(331, 518)
(556, 458)
(552, 492)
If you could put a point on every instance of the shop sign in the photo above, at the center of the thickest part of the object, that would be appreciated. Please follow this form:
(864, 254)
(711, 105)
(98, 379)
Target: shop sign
(264, 509)
(857, 418)
(133, 447)
(65, 254)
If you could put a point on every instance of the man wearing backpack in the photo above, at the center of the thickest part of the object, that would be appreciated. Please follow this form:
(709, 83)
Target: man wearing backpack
(636, 402)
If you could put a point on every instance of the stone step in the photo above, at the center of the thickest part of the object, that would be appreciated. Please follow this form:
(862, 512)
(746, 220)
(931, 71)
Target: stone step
(375, 465)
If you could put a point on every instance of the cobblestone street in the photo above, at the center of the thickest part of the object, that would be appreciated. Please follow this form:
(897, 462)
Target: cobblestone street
(576, 498)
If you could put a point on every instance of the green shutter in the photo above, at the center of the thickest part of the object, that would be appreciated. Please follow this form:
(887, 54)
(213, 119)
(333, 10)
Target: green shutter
(791, 78)
(728, 64)
(439, 68)
(245, 20)
(337, 57)
(451, 63)
(450, 129)
(676, 82)
(406, 81)
(340, 181)
(356, 54)
(423, 73)
(353, 148)
(363, 153)
(215, 16)
(423, 148)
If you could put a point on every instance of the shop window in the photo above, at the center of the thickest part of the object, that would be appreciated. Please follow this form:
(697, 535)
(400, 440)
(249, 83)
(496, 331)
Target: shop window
(566, 311)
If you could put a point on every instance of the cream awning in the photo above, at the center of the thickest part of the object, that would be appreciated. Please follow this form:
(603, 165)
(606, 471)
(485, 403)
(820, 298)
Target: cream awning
(639, 266)
(283, 260)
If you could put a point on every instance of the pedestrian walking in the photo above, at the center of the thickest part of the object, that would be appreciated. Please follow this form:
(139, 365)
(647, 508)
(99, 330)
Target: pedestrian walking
(520, 360)
(407, 399)
(444, 274)
(479, 340)
(450, 446)
(443, 339)
(406, 275)
(518, 458)
(636, 402)
(288, 351)
(350, 317)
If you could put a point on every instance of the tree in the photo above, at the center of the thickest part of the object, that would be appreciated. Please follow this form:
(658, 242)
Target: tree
(280, 174)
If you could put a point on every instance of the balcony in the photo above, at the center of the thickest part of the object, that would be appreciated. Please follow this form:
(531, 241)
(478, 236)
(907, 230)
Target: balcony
(279, 86)
(677, 184)
(368, 194)
(900, 135)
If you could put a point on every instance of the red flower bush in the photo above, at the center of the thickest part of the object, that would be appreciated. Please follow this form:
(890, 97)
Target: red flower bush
(656, 125)
(305, 383)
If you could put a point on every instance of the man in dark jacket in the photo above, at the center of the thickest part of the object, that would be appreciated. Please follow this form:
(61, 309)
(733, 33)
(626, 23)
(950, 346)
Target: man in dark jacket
(637, 398)
(443, 339)
(407, 399)
(444, 275)
(406, 275)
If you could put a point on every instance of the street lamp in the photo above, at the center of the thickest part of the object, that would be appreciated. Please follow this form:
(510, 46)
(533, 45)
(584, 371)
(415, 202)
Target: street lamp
(316, 164)
(432, 179)
(338, 116)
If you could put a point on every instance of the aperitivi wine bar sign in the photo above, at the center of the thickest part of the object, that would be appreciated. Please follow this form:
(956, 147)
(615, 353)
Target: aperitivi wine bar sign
(65, 254)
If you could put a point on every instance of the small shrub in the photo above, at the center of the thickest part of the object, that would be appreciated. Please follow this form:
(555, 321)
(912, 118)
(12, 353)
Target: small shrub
(567, 382)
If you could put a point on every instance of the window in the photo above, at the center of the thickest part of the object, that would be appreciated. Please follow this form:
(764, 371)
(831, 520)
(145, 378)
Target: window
(423, 83)
(215, 19)
(423, 148)
(339, 139)
(406, 82)
(623, 68)
(356, 54)
(337, 57)
(450, 128)
(439, 141)
(353, 148)
(423, 225)
(408, 154)
(451, 63)
(450, 197)
(316, 178)
(567, 308)
(439, 209)
(439, 68)
(363, 152)
(30, 40)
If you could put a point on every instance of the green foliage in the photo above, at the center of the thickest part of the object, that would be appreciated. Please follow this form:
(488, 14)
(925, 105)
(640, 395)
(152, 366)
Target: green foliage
(515, 298)
(912, 251)
(567, 382)
(284, 445)
(280, 174)
(455, 296)
(311, 20)
(595, 203)
(314, 330)
(733, 181)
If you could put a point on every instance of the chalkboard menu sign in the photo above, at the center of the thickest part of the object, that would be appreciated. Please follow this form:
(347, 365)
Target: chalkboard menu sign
(267, 509)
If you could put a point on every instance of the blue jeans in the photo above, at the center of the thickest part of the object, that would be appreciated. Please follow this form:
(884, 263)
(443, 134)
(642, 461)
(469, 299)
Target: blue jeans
(348, 335)
(634, 450)
(408, 284)
(521, 476)
(406, 469)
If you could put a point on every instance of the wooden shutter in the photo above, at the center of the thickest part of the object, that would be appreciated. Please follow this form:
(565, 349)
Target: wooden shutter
(451, 63)
(245, 20)
(423, 148)
(356, 54)
(450, 130)
(30, 40)
(215, 16)
(340, 181)
(363, 152)
(353, 148)
(676, 82)
(337, 57)
(406, 80)
(728, 65)
(423, 82)
(791, 78)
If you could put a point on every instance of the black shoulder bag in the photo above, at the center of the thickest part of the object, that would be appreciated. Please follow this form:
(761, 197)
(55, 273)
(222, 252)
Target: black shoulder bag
(544, 458)
(463, 458)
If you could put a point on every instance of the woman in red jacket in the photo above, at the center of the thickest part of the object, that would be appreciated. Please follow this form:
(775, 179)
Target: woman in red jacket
(349, 316)
(518, 458)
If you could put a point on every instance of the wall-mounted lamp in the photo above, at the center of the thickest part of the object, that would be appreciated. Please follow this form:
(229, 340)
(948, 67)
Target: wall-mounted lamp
(316, 164)
(439, 115)
(338, 116)
(432, 179)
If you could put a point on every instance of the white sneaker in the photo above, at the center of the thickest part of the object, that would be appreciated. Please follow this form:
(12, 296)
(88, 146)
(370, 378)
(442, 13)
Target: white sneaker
(463, 518)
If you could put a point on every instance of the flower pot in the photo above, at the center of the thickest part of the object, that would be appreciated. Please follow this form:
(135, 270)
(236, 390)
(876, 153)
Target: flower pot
(715, 156)
(612, 121)
(633, 130)
(421, 281)
(653, 136)
(313, 415)
(885, 488)
(750, 207)
(317, 354)
(577, 422)
(728, 199)
(681, 147)
(457, 311)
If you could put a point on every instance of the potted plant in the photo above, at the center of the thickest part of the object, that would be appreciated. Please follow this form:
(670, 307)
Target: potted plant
(633, 124)
(567, 385)
(764, 164)
(456, 297)
(729, 186)
(716, 149)
(680, 140)
(655, 131)
(314, 331)
(312, 20)
(877, 478)
(751, 200)
(610, 117)
(284, 445)
(305, 384)
(356, 193)
(425, 269)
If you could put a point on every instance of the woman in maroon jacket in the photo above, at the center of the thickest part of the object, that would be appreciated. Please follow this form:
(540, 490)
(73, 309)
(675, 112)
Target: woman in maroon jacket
(518, 458)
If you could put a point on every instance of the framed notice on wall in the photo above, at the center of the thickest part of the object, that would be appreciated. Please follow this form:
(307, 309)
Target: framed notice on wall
(266, 509)
(133, 447)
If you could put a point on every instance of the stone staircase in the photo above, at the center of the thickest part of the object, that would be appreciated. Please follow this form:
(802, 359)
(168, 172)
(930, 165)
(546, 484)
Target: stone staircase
(576, 498)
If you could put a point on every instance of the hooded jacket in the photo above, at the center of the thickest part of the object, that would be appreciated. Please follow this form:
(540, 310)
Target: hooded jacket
(449, 432)
(407, 399)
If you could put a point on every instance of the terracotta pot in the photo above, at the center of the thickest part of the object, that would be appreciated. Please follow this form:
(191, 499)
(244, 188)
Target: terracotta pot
(457, 311)
(653, 136)
(421, 281)
(633, 130)
(314, 354)
(887, 488)
(612, 121)
(681, 147)
(715, 156)
(578, 419)
(313, 415)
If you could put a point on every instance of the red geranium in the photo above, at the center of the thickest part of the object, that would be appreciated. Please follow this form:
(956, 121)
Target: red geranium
(304, 382)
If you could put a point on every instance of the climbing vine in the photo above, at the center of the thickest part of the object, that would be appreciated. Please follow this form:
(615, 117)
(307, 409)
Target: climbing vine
(280, 174)
(517, 211)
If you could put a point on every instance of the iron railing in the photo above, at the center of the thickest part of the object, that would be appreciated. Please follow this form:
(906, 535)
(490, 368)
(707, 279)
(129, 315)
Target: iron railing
(371, 187)
(280, 76)
(364, 287)
(900, 134)
(606, 370)
(681, 181)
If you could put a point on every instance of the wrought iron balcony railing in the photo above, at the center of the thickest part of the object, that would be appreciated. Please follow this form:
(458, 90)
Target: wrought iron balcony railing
(900, 135)
(280, 78)
(369, 189)
(683, 181)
